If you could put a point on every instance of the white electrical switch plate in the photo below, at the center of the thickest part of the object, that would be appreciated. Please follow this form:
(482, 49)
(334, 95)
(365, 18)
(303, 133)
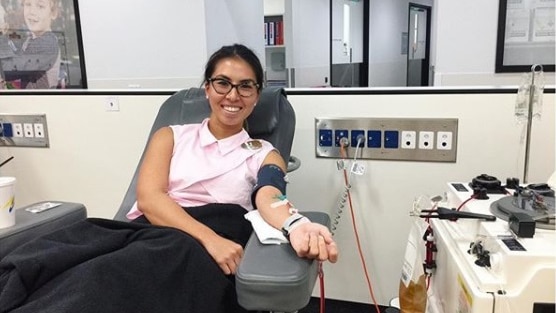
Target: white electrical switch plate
(409, 138)
(112, 104)
(444, 140)
(28, 130)
(18, 129)
(426, 140)
(39, 130)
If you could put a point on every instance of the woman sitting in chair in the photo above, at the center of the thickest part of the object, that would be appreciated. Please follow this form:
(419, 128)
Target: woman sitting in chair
(195, 184)
(196, 165)
(216, 162)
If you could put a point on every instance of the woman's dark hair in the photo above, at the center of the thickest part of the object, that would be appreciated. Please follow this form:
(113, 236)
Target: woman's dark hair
(240, 51)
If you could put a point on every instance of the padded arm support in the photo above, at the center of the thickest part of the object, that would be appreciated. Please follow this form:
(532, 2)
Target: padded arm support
(32, 225)
(273, 277)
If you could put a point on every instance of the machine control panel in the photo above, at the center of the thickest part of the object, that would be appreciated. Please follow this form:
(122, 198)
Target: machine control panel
(459, 187)
(513, 244)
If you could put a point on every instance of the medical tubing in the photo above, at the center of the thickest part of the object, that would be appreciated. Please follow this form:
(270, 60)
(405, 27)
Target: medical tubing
(430, 249)
(359, 139)
(347, 187)
(465, 202)
(340, 209)
(321, 282)
(356, 233)
(341, 203)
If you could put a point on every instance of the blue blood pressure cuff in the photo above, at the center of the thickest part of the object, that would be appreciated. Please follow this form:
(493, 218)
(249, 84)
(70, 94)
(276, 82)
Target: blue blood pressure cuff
(269, 175)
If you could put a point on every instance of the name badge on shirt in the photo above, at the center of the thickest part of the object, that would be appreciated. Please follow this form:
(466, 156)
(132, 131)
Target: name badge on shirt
(252, 145)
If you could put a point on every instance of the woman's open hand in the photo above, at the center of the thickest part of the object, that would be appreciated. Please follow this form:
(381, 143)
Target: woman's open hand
(314, 241)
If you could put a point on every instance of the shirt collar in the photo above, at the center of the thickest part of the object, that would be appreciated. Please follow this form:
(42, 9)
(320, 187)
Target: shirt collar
(225, 145)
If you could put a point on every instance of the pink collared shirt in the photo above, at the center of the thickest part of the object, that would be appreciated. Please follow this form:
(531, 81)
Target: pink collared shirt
(205, 170)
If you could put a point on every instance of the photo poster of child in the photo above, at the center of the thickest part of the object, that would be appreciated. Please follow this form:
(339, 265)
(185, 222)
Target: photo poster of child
(39, 45)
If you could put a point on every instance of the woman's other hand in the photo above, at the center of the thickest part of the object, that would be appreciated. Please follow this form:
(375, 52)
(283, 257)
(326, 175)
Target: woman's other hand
(225, 252)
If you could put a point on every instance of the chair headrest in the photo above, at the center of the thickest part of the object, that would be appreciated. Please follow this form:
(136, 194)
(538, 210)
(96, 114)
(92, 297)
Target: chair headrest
(267, 109)
(193, 108)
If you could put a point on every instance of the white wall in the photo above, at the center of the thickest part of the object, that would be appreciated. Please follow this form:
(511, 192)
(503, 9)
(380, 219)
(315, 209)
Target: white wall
(93, 154)
(143, 44)
(309, 53)
(387, 64)
(162, 45)
(234, 21)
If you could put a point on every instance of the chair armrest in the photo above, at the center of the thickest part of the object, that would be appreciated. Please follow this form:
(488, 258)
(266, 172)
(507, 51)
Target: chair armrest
(273, 277)
(29, 225)
(293, 163)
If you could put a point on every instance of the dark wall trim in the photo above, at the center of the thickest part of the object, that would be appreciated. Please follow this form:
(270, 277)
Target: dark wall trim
(292, 91)
(408, 91)
(80, 45)
(330, 42)
(80, 92)
(364, 70)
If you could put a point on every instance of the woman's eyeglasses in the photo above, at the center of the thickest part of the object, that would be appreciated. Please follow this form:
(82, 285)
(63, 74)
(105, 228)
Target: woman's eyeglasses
(223, 86)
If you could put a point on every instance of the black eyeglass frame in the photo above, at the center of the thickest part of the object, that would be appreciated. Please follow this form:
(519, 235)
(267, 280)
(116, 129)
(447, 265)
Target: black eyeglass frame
(232, 86)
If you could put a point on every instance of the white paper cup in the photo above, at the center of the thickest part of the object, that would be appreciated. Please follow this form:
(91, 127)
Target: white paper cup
(7, 202)
(395, 302)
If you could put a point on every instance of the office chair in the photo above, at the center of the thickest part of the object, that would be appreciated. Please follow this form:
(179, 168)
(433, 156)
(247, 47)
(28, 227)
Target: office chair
(270, 277)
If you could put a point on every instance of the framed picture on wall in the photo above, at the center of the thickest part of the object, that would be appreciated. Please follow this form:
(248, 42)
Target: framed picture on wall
(526, 35)
(41, 45)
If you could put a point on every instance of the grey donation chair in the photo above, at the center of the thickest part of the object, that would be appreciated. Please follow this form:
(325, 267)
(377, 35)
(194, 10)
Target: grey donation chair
(270, 277)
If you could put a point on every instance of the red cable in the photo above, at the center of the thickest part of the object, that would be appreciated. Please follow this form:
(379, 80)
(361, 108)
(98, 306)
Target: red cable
(464, 202)
(321, 282)
(369, 285)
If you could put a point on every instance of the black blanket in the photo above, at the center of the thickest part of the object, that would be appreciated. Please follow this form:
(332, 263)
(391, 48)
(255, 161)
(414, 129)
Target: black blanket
(100, 265)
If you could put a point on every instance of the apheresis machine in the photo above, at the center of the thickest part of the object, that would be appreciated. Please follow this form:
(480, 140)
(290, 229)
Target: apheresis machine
(491, 248)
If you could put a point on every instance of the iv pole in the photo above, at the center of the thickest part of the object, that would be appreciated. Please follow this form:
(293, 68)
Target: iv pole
(536, 68)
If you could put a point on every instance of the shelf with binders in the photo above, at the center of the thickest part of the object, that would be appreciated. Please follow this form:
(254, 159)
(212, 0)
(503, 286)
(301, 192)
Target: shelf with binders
(275, 51)
(273, 31)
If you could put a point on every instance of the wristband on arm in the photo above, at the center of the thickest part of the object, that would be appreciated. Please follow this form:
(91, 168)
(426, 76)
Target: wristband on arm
(293, 222)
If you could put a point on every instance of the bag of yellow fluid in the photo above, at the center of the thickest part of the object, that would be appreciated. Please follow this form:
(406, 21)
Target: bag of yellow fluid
(412, 290)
